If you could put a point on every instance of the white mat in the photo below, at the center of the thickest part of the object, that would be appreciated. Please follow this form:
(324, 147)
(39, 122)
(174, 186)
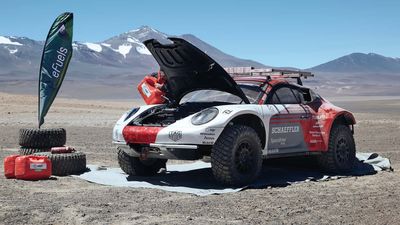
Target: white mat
(196, 178)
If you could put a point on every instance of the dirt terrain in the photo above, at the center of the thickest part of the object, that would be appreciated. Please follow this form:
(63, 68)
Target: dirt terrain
(371, 199)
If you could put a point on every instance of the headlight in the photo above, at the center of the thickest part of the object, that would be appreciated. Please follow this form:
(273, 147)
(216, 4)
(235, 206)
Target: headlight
(204, 116)
(130, 113)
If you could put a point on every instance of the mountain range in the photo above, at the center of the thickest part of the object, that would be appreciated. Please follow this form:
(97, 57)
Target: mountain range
(112, 68)
(124, 53)
(360, 62)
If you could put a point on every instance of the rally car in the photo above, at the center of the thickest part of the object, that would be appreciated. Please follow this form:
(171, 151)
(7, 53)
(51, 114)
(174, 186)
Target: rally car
(235, 116)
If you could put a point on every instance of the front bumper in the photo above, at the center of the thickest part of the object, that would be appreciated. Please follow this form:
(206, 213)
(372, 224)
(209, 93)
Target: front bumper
(163, 151)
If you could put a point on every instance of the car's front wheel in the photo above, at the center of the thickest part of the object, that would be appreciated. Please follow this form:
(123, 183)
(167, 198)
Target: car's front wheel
(341, 154)
(137, 167)
(236, 158)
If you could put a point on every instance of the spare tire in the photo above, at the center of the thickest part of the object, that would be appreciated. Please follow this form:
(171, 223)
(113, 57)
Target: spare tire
(30, 151)
(66, 163)
(42, 138)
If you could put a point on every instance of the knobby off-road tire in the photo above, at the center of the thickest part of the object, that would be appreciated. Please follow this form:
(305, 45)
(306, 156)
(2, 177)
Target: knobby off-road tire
(136, 167)
(31, 151)
(341, 154)
(42, 138)
(66, 163)
(236, 158)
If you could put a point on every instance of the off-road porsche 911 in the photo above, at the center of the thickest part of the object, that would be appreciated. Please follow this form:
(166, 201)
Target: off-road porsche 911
(236, 117)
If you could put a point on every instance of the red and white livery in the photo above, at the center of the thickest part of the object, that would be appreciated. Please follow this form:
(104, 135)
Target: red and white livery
(235, 116)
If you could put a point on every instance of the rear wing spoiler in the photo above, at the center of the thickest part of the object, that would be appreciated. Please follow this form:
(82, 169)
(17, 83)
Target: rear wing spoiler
(269, 73)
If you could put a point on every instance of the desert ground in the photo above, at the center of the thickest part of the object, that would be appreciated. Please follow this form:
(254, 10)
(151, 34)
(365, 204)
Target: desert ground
(373, 199)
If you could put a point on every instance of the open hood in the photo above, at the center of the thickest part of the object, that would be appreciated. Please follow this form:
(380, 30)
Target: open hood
(188, 69)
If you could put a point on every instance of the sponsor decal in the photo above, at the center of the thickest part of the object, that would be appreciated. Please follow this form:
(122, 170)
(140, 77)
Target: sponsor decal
(280, 141)
(208, 138)
(146, 90)
(209, 132)
(315, 133)
(175, 135)
(38, 166)
(271, 108)
(320, 117)
(284, 130)
(62, 30)
(319, 121)
(227, 111)
(210, 129)
(274, 150)
(58, 65)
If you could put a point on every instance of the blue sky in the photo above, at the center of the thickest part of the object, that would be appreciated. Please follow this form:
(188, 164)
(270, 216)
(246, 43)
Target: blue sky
(279, 33)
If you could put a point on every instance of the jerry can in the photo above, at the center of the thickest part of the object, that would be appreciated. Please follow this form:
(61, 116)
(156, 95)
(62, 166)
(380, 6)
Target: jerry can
(32, 167)
(9, 166)
(149, 92)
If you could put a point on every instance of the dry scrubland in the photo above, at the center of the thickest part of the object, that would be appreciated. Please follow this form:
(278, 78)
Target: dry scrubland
(66, 200)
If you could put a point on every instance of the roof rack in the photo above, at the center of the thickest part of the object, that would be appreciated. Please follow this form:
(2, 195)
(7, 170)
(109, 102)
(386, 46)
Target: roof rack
(269, 72)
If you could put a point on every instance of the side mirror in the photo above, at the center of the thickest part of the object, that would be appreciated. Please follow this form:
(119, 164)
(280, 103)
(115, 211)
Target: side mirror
(307, 95)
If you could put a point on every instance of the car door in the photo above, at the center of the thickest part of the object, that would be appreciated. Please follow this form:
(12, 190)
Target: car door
(315, 134)
(288, 126)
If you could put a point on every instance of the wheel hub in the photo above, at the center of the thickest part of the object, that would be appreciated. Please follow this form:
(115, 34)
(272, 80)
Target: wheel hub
(244, 158)
(342, 150)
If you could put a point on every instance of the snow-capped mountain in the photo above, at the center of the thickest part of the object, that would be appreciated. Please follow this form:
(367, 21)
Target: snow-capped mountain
(116, 64)
(112, 68)
(18, 54)
(122, 54)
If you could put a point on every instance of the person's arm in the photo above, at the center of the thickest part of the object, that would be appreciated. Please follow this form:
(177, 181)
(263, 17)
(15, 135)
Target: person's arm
(152, 81)
(159, 86)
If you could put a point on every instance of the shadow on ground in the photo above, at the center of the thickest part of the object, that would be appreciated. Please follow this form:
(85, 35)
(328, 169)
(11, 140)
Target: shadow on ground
(197, 178)
(275, 173)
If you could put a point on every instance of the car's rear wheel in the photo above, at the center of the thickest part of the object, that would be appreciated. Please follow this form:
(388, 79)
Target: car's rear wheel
(137, 167)
(341, 154)
(236, 158)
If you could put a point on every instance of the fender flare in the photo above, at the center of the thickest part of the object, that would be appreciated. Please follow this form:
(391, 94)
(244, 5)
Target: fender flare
(344, 117)
(252, 120)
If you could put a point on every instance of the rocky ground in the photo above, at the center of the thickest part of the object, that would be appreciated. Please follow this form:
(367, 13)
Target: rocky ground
(371, 199)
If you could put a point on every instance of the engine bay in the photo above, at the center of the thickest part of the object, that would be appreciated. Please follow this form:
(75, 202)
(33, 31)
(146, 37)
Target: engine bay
(164, 115)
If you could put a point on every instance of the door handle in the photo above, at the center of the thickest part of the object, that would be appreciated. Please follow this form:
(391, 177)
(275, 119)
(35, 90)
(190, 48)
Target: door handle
(304, 116)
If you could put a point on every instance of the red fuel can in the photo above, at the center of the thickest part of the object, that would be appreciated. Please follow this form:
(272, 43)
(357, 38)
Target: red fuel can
(149, 92)
(31, 167)
(9, 166)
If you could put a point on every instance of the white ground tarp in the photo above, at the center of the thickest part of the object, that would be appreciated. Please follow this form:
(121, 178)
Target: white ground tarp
(196, 178)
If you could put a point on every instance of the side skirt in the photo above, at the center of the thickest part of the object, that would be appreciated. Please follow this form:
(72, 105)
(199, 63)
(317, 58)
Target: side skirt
(273, 156)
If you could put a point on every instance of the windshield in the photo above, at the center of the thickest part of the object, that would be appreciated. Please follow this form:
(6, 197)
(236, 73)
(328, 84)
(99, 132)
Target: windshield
(252, 92)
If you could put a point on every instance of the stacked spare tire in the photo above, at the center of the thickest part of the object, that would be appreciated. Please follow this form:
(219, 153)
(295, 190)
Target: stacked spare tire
(51, 143)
